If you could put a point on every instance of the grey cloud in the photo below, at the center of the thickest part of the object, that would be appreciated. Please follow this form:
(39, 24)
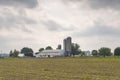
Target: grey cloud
(19, 3)
(99, 30)
(114, 4)
(12, 21)
(52, 25)
(98, 4)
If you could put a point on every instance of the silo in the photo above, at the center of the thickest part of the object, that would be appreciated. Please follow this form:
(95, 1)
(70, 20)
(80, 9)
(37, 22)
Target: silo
(64, 44)
(67, 46)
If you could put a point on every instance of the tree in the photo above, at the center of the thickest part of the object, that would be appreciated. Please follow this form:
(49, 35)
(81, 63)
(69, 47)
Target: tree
(94, 52)
(41, 49)
(27, 51)
(82, 53)
(11, 53)
(105, 51)
(75, 49)
(59, 46)
(48, 48)
(14, 53)
(117, 51)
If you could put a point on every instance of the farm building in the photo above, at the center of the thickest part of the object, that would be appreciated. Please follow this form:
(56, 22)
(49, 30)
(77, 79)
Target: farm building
(66, 51)
(67, 46)
(87, 53)
(50, 53)
(21, 55)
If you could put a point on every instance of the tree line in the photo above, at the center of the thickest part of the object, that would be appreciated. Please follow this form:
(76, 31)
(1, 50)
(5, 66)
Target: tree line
(75, 50)
(27, 51)
(104, 51)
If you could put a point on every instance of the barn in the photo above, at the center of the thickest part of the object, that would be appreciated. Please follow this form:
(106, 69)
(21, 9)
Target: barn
(67, 42)
(21, 55)
(50, 53)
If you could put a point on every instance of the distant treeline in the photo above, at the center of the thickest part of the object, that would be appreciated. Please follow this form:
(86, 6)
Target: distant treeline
(75, 50)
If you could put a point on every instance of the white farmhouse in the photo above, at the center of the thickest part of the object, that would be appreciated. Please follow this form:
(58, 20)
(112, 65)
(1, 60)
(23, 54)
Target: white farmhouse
(87, 53)
(50, 53)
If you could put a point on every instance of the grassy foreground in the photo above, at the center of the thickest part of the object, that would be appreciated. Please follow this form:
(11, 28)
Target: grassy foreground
(60, 69)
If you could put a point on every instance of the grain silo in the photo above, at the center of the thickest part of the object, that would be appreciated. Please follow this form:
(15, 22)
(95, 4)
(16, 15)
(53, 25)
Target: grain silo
(67, 46)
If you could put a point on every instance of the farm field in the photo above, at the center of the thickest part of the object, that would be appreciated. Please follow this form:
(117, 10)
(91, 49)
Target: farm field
(60, 68)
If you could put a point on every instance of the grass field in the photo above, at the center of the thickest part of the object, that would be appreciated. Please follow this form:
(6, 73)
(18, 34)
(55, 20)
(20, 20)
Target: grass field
(60, 69)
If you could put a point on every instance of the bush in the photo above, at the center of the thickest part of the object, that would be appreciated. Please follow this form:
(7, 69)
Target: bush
(117, 51)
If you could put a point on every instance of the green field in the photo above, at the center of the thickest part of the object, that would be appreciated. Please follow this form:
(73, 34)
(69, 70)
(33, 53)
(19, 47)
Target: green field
(60, 69)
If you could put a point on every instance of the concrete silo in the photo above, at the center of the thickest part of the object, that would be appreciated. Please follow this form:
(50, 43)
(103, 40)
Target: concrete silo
(67, 46)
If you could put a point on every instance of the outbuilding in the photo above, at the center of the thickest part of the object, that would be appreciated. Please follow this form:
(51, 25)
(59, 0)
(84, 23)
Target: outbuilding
(50, 53)
(21, 55)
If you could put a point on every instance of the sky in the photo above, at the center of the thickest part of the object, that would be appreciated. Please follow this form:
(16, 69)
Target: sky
(39, 23)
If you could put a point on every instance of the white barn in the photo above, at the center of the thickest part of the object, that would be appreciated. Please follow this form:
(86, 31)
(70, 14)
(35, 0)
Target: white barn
(21, 55)
(50, 53)
(87, 53)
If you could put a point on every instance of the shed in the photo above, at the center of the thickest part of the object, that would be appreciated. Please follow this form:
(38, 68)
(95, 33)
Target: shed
(21, 55)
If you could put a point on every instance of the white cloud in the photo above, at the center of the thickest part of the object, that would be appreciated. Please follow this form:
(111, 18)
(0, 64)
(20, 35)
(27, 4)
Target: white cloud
(99, 29)
(40, 23)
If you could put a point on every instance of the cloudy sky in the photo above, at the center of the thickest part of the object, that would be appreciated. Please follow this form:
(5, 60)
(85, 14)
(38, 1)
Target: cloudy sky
(38, 23)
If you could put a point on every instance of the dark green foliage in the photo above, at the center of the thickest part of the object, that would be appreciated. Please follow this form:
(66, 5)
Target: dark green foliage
(117, 51)
(75, 49)
(27, 51)
(59, 47)
(105, 51)
(49, 48)
(14, 53)
(11, 53)
(82, 53)
(95, 53)
(41, 49)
